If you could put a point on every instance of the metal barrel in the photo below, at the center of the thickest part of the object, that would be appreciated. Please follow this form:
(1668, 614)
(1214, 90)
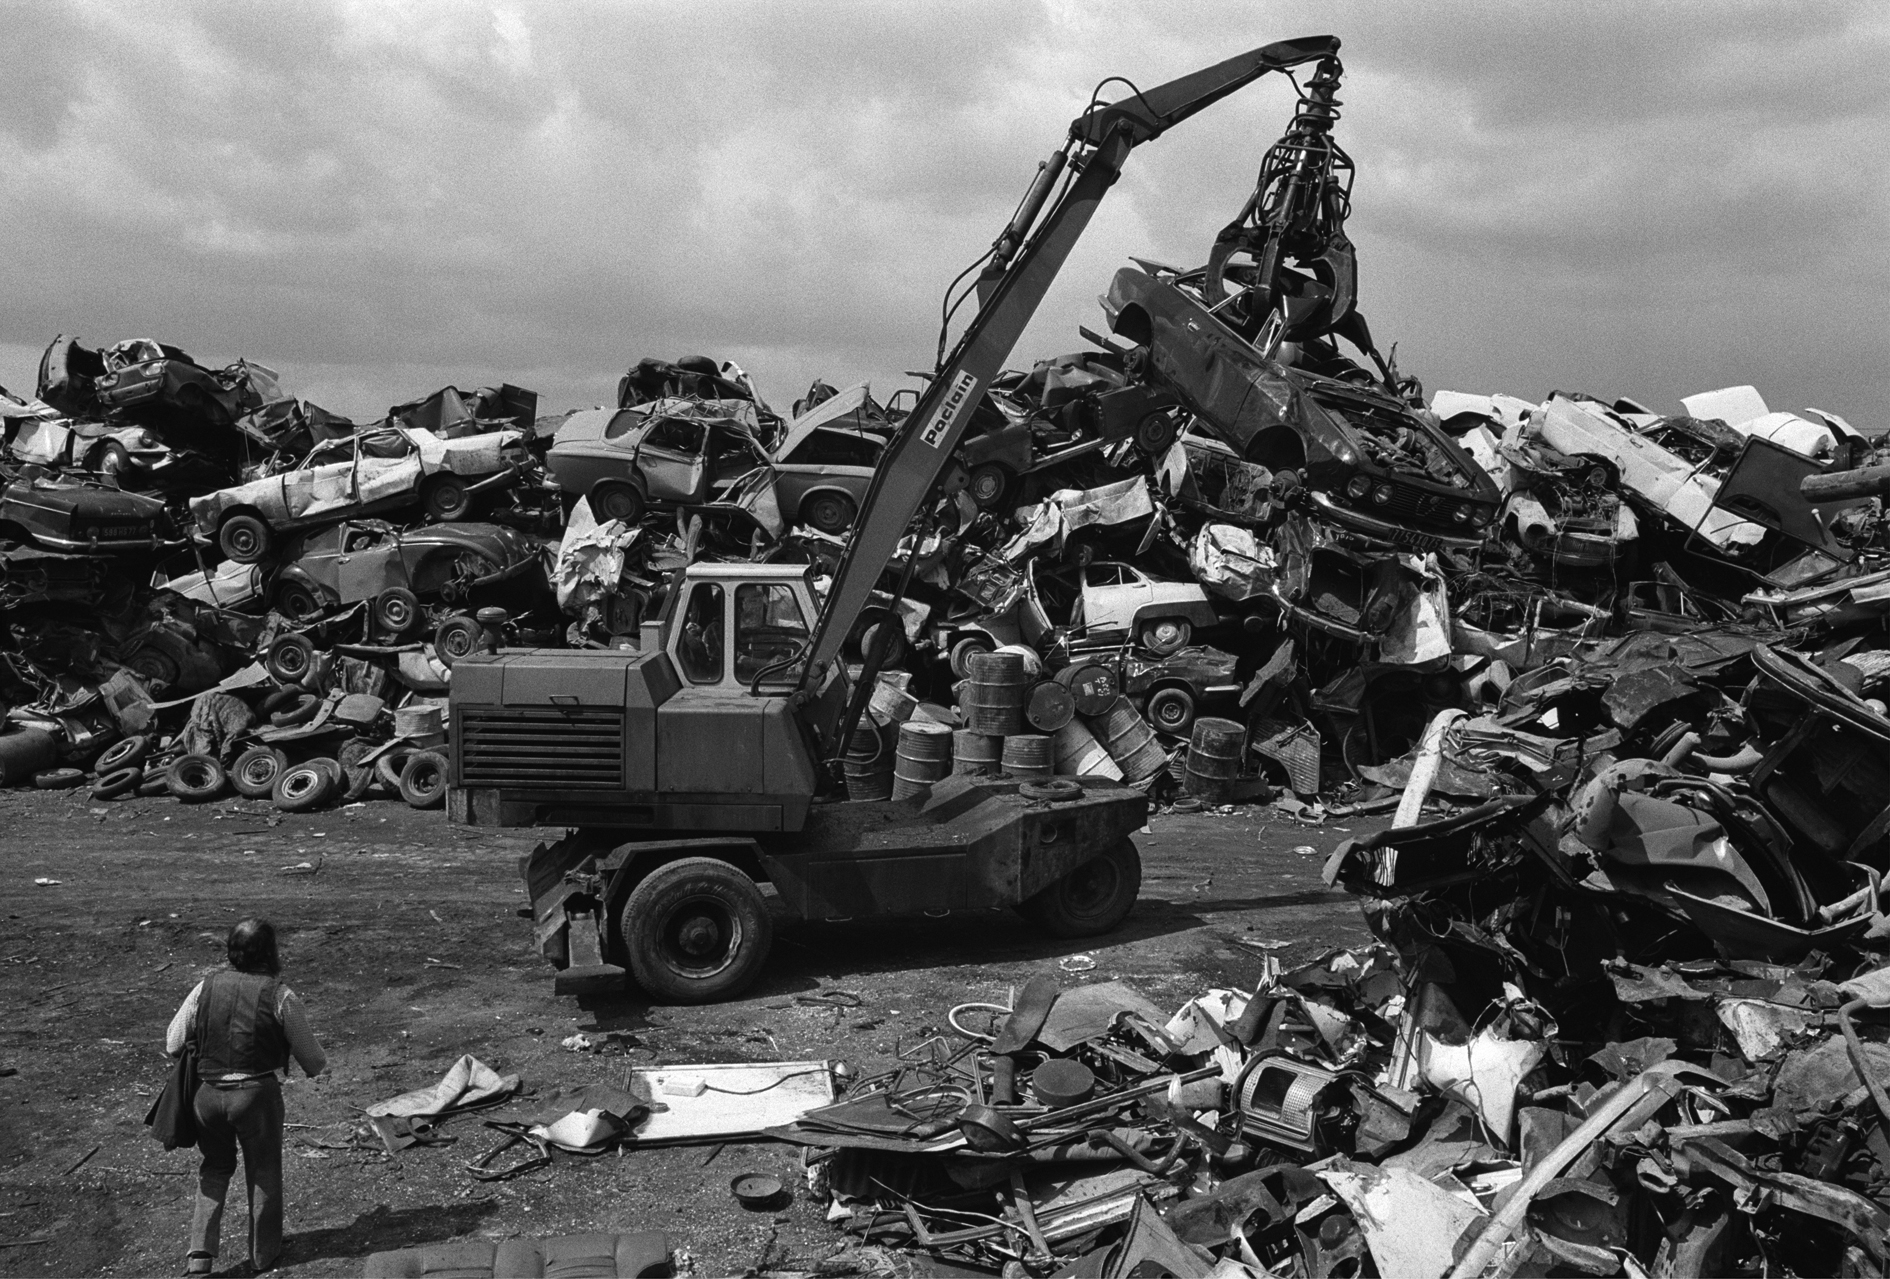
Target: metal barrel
(1033, 664)
(1028, 756)
(868, 765)
(890, 701)
(995, 696)
(1077, 753)
(1214, 759)
(1050, 707)
(924, 755)
(976, 754)
(1129, 741)
(1092, 685)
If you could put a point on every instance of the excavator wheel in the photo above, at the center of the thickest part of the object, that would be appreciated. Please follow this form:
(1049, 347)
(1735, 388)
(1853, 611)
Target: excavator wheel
(696, 931)
(1091, 899)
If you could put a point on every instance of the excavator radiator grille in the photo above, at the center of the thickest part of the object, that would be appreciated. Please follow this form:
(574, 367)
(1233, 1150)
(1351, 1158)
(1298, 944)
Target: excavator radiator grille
(545, 748)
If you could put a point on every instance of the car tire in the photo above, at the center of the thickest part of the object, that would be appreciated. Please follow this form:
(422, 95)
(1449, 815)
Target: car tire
(128, 752)
(963, 651)
(423, 779)
(445, 498)
(153, 785)
(120, 781)
(59, 778)
(290, 658)
(617, 500)
(987, 485)
(387, 770)
(281, 697)
(458, 636)
(256, 770)
(301, 788)
(358, 773)
(1171, 710)
(244, 538)
(1165, 636)
(1093, 898)
(831, 513)
(396, 609)
(1156, 434)
(297, 713)
(297, 601)
(696, 931)
(196, 779)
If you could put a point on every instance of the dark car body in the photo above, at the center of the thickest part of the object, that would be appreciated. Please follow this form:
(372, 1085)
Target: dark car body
(1368, 460)
(67, 516)
(148, 380)
(466, 564)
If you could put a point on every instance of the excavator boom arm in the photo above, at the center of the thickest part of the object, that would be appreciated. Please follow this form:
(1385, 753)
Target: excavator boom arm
(1102, 139)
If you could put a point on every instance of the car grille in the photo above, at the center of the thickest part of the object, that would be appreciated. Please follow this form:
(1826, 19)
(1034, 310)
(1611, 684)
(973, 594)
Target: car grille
(545, 748)
(1410, 504)
(116, 532)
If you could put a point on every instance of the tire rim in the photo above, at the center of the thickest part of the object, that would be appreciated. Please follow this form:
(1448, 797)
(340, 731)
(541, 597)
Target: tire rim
(244, 542)
(194, 776)
(618, 505)
(458, 642)
(302, 783)
(396, 614)
(1092, 887)
(260, 771)
(1165, 634)
(292, 660)
(700, 938)
(986, 486)
(1171, 715)
(829, 515)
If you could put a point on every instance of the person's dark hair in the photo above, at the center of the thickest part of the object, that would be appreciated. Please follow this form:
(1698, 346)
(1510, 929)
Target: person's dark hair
(252, 947)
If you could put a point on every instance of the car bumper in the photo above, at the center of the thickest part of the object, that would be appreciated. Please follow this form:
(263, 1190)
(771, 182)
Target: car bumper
(1397, 534)
(77, 544)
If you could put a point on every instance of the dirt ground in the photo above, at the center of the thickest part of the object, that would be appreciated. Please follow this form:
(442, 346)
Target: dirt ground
(401, 933)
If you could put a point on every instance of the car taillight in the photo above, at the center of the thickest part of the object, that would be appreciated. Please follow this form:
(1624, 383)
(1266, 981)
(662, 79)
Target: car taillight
(1358, 486)
(1382, 494)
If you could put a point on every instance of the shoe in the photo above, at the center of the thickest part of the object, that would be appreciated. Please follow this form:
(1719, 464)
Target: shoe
(200, 1263)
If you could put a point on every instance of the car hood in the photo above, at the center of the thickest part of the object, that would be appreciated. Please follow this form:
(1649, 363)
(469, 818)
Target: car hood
(87, 499)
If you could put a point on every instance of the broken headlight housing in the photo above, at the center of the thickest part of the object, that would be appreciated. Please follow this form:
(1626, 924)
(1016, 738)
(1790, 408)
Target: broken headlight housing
(1358, 486)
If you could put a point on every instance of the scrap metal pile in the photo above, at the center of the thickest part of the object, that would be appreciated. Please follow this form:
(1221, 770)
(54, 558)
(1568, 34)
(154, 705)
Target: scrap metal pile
(209, 585)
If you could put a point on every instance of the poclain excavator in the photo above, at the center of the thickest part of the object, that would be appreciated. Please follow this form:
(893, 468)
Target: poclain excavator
(702, 765)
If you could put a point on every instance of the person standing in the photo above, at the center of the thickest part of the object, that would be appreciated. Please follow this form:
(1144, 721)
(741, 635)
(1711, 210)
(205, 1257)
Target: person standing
(246, 1024)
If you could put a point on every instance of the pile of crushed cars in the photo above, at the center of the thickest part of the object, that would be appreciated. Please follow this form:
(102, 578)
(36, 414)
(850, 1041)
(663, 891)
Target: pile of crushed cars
(208, 584)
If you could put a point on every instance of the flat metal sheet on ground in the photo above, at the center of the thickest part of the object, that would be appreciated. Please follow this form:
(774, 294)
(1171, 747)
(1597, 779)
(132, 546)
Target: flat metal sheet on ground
(737, 1099)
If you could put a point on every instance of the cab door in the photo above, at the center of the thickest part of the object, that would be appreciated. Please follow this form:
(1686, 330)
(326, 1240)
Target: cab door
(709, 735)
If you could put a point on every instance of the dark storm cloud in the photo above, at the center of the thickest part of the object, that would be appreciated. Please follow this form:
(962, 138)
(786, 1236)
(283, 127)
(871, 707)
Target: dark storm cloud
(379, 198)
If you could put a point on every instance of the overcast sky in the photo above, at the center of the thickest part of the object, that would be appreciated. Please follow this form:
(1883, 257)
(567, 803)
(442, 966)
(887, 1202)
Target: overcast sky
(381, 198)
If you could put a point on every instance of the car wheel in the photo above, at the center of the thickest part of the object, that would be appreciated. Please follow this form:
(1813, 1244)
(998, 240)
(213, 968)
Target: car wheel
(1156, 433)
(358, 774)
(255, 771)
(831, 512)
(130, 752)
(120, 781)
(963, 651)
(290, 657)
(1091, 899)
(109, 458)
(696, 931)
(396, 609)
(244, 538)
(296, 713)
(301, 788)
(1171, 710)
(59, 778)
(445, 498)
(1165, 635)
(988, 484)
(423, 780)
(457, 637)
(295, 601)
(617, 500)
(387, 770)
(196, 778)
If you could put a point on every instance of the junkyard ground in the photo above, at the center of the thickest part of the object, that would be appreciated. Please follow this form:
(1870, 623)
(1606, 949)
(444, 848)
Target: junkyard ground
(405, 944)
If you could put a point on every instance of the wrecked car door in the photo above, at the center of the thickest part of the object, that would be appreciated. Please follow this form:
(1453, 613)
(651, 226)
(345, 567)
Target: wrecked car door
(671, 458)
(1112, 596)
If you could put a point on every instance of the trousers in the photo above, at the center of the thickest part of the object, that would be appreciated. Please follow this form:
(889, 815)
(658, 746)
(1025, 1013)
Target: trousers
(248, 1116)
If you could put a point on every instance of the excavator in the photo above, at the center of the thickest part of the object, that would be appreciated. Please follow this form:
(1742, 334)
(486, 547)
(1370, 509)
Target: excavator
(703, 765)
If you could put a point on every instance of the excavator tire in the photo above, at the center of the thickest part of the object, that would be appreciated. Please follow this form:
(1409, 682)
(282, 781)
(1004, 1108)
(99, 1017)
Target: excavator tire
(696, 931)
(1092, 899)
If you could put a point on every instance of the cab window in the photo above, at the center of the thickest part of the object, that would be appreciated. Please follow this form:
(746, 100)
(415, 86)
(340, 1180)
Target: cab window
(699, 651)
(769, 628)
(678, 435)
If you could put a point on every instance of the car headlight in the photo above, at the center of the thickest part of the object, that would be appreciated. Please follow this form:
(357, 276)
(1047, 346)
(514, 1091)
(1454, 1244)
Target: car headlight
(1460, 513)
(1358, 486)
(1480, 515)
(1382, 494)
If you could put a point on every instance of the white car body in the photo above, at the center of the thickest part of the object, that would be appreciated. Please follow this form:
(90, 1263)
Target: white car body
(374, 470)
